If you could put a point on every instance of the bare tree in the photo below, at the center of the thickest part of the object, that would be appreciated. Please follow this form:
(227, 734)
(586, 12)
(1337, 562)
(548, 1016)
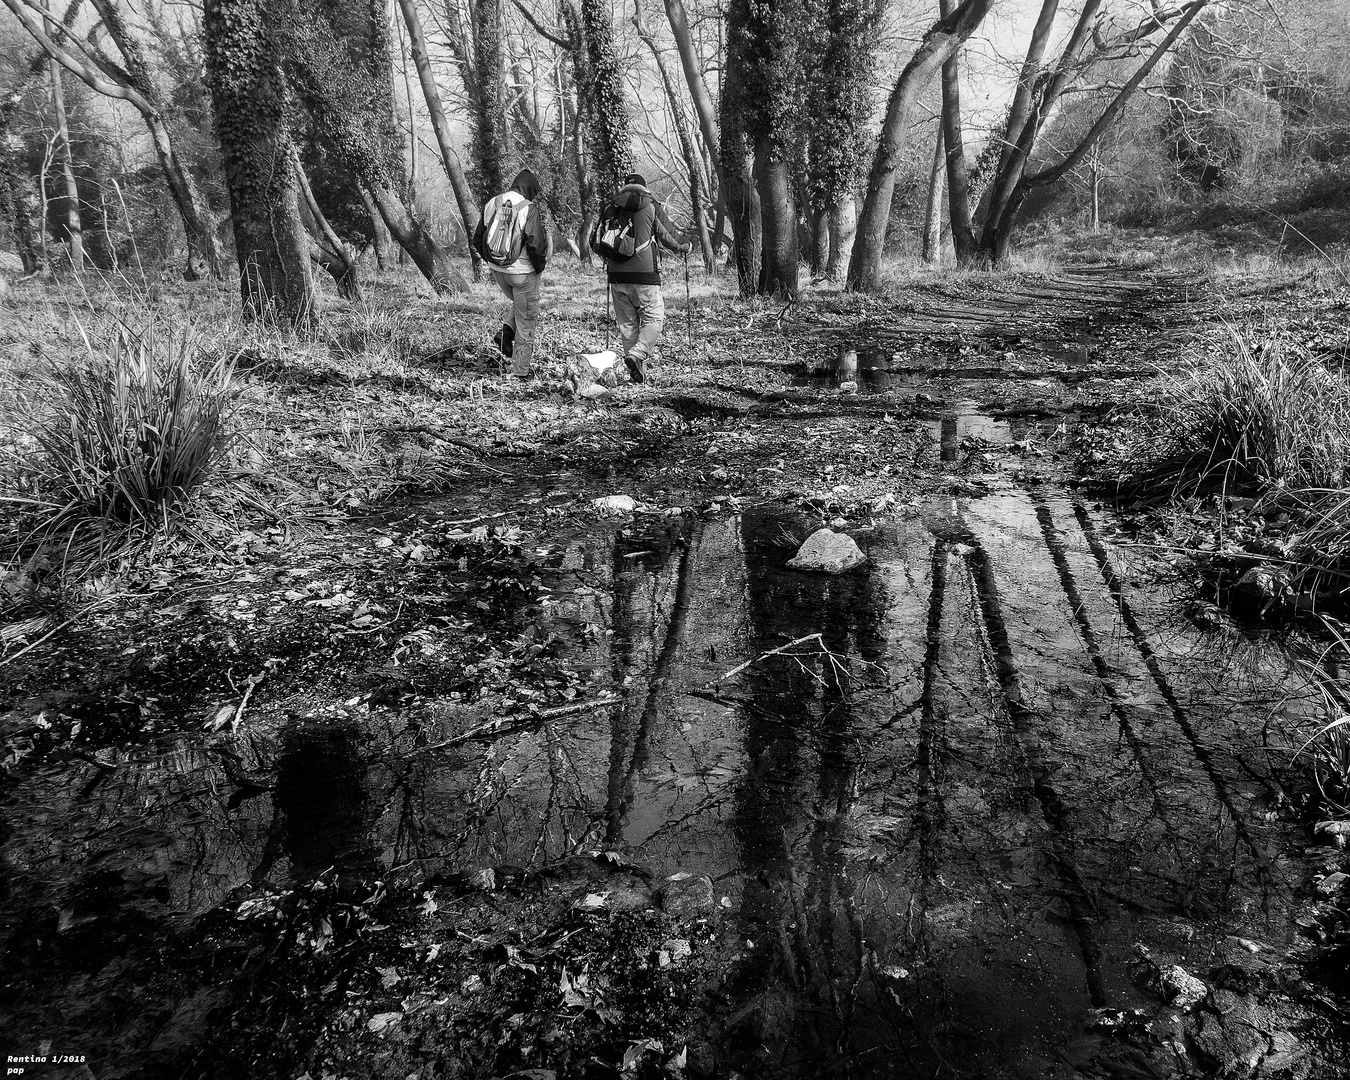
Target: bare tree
(932, 215)
(132, 81)
(682, 133)
(698, 89)
(440, 125)
(938, 44)
(1090, 45)
(953, 137)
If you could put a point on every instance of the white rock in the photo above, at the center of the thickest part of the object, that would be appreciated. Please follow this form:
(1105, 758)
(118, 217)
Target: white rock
(829, 552)
(1181, 987)
(615, 504)
(594, 392)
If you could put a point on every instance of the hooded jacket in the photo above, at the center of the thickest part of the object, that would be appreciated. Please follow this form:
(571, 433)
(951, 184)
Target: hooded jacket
(534, 240)
(650, 228)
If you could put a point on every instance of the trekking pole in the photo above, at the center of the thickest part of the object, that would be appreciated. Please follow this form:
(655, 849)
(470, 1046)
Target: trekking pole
(688, 314)
(606, 313)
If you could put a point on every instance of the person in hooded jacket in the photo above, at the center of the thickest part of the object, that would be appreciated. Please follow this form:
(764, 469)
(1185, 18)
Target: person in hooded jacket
(519, 279)
(635, 283)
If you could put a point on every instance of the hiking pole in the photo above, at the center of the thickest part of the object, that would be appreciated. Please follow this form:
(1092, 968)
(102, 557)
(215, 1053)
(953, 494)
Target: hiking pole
(688, 314)
(606, 313)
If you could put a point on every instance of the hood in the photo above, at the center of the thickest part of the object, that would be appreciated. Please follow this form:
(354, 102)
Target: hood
(630, 197)
(527, 184)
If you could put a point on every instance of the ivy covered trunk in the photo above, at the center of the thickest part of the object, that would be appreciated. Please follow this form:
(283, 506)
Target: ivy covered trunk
(843, 227)
(242, 46)
(339, 64)
(611, 128)
(18, 201)
(780, 257)
(488, 100)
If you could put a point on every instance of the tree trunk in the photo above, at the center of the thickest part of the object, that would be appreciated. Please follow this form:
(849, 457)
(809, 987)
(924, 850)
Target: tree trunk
(74, 234)
(489, 134)
(378, 229)
(938, 44)
(843, 226)
(205, 259)
(421, 247)
(687, 151)
(932, 216)
(958, 179)
(248, 93)
(328, 249)
(820, 240)
(459, 184)
(698, 89)
(779, 265)
(18, 201)
(739, 194)
(611, 127)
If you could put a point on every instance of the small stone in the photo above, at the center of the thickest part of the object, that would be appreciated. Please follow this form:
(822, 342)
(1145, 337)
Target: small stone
(1182, 988)
(1331, 883)
(593, 392)
(687, 896)
(677, 949)
(380, 1021)
(829, 552)
(615, 504)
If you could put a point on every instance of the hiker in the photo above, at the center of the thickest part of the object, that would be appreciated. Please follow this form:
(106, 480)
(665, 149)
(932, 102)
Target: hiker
(511, 239)
(626, 236)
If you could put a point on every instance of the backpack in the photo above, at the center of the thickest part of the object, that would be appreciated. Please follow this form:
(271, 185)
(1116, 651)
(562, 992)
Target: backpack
(503, 237)
(614, 236)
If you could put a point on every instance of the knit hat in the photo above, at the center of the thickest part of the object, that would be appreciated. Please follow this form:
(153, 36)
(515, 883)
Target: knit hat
(635, 178)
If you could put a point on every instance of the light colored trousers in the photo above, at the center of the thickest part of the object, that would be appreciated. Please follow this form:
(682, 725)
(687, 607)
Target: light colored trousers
(523, 291)
(639, 313)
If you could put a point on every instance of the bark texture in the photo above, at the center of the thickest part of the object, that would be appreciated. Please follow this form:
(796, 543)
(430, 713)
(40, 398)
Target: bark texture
(248, 91)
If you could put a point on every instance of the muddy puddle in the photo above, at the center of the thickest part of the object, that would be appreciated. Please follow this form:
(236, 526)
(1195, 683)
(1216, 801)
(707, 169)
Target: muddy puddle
(965, 810)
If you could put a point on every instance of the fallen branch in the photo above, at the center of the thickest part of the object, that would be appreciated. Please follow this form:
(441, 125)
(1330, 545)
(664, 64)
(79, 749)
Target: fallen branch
(502, 725)
(762, 656)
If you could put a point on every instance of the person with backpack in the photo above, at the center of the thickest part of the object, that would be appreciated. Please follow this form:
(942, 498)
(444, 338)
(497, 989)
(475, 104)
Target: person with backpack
(626, 236)
(512, 241)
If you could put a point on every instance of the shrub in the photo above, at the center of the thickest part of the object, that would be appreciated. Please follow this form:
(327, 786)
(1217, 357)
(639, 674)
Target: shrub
(1262, 411)
(126, 436)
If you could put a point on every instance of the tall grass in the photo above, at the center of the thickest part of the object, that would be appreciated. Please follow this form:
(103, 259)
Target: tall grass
(1260, 412)
(125, 437)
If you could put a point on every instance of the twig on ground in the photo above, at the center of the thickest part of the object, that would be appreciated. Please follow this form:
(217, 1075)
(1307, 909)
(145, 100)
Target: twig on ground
(772, 652)
(502, 725)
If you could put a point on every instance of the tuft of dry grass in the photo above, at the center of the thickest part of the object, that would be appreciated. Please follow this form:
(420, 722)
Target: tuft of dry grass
(118, 442)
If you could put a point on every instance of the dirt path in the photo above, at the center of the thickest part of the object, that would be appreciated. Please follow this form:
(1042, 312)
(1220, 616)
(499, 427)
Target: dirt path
(990, 806)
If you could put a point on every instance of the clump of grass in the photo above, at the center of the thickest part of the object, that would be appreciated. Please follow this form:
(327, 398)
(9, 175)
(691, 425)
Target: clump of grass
(1259, 412)
(124, 439)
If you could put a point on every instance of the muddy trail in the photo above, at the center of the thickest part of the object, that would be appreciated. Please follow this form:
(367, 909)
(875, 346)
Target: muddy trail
(505, 779)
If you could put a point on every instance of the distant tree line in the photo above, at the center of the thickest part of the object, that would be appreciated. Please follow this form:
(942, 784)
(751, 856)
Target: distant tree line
(289, 135)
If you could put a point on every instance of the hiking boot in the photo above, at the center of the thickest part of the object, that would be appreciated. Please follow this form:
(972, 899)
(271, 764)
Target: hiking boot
(636, 368)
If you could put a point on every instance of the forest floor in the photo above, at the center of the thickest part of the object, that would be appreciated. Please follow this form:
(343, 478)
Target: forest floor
(436, 759)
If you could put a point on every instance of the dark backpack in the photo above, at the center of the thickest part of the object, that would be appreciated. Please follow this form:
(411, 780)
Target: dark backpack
(615, 234)
(503, 237)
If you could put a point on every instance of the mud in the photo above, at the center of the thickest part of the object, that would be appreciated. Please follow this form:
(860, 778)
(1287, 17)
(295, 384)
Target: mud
(990, 806)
